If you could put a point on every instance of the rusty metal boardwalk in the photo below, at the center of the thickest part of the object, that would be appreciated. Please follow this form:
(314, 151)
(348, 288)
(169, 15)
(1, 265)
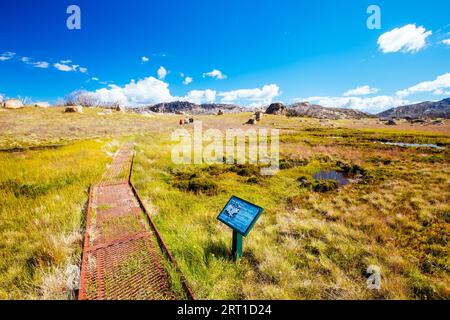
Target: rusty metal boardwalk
(121, 256)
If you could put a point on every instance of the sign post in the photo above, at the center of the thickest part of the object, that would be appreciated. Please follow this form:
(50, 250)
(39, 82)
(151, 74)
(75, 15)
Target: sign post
(237, 245)
(241, 216)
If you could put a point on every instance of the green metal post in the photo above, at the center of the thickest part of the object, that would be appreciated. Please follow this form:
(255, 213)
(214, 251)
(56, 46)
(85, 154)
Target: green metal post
(237, 245)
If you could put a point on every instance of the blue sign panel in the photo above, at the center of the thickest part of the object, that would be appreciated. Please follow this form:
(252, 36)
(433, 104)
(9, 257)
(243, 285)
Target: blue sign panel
(240, 215)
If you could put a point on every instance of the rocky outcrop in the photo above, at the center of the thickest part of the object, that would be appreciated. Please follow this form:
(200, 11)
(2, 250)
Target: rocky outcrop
(305, 109)
(74, 109)
(391, 123)
(42, 105)
(277, 109)
(12, 104)
(438, 109)
(185, 107)
(120, 108)
(258, 115)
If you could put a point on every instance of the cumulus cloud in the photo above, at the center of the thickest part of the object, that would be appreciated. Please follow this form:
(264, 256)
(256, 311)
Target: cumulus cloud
(95, 79)
(437, 85)
(7, 56)
(187, 80)
(446, 41)
(162, 73)
(258, 96)
(143, 92)
(83, 70)
(369, 104)
(406, 39)
(361, 91)
(145, 59)
(217, 74)
(200, 96)
(151, 91)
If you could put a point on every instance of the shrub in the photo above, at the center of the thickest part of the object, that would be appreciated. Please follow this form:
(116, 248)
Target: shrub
(305, 182)
(378, 159)
(325, 185)
(253, 180)
(292, 163)
(198, 186)
(246, 170)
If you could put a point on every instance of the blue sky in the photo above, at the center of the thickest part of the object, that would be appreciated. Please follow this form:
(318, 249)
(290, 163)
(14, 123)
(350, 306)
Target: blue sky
(246, 52)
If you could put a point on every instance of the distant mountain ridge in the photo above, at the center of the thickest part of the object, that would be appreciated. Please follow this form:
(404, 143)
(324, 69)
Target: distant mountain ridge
(193, 108)
(428, 109)
(301, 109)
(305, 109)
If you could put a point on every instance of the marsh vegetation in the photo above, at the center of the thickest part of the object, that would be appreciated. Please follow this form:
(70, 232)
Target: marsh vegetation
(315, 239)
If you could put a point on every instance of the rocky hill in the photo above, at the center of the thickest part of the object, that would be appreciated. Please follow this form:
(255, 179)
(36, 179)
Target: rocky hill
(428, 109)
(181, 107)
(305, 109)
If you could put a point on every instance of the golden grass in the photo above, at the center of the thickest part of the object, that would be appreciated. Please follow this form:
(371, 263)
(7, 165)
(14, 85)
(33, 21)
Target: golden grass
(42, 212)
(306, 245)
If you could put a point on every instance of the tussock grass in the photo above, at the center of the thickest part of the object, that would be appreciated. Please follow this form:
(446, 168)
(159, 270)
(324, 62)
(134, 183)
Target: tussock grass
(306, 245)
(43, 197)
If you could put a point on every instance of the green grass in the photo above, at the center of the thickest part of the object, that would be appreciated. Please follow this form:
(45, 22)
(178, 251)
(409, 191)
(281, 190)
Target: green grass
(42, 212)
(310, 245)
(307, 244)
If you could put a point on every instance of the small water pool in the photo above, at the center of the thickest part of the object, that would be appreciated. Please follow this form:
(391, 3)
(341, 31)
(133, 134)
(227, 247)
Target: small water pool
(413, 145)
(332, 175)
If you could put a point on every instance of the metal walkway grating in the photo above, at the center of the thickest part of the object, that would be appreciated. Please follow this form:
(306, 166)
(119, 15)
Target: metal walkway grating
(121, 258)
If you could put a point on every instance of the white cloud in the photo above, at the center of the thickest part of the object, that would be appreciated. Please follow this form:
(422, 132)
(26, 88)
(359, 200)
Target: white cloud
(143, 92)
(162, 73)
(187, 80)
(151, 91)
(217, 74)
(145, 59)
(258, 96)
(64, 67)
(361, 91)
(41, 64)
(95, 79)
(447, 41)
(38, 64)
(440, 83)
(372, 104)
(7, 56)
(200, 96)
(406, 39)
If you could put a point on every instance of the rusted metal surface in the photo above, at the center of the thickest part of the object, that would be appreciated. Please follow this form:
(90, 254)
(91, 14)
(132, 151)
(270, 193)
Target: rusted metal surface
(163, 245)
(121, 257)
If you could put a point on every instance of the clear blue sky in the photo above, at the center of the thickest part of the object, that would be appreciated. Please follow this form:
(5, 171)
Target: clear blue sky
(280, 50)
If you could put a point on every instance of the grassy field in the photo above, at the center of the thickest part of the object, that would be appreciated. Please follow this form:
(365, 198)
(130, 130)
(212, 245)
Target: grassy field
(313, 241)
